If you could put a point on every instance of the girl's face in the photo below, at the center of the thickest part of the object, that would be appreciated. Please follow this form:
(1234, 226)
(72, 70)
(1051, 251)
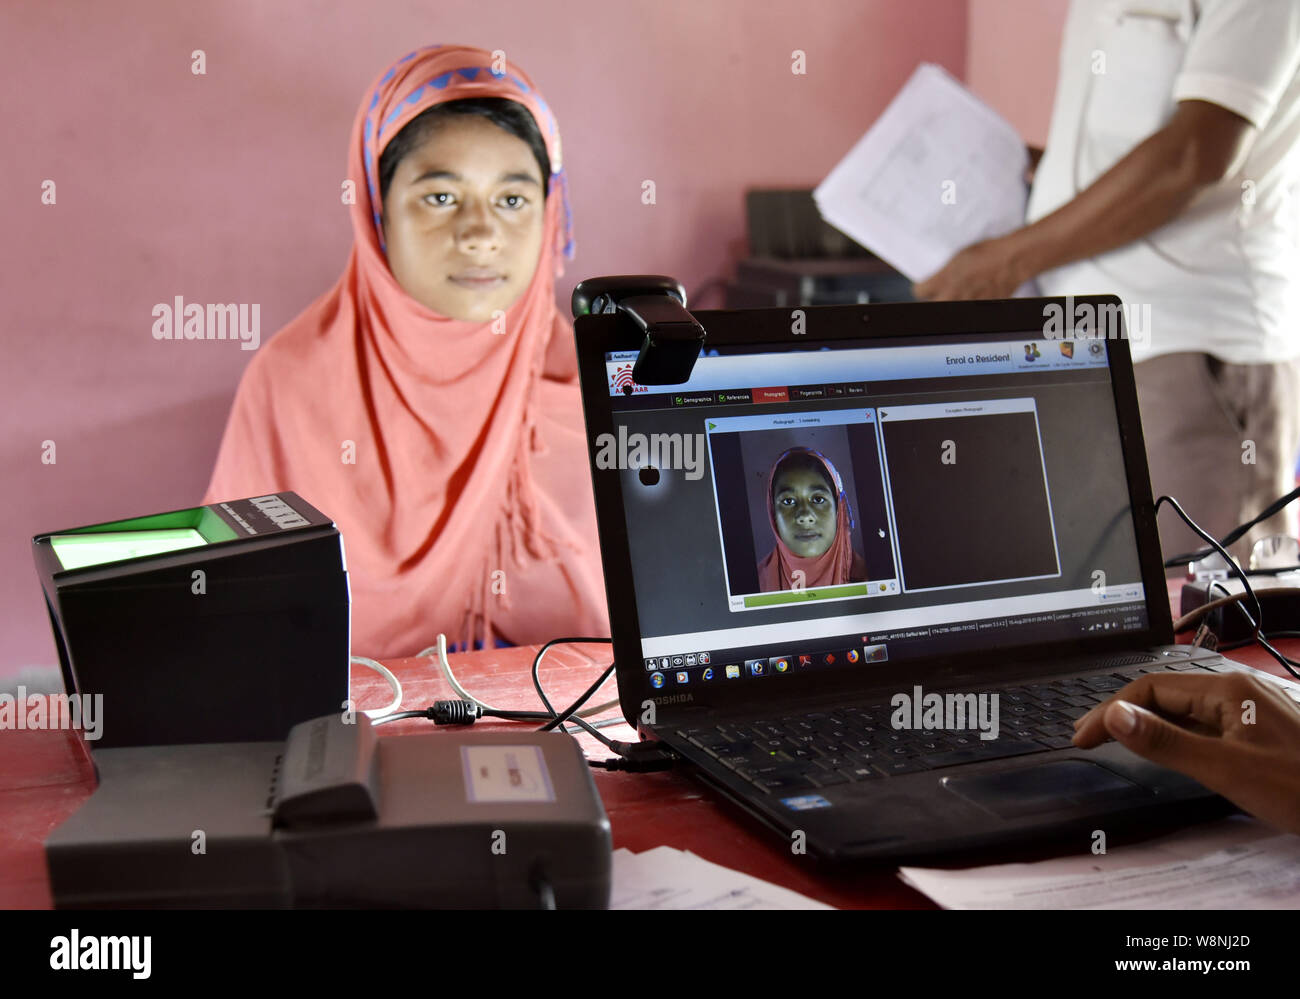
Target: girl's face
(463, 219)
(805, 511)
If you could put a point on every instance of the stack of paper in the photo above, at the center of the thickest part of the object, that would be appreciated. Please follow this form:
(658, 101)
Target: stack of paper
(939, 170)
(667, 878)
(1237, 863)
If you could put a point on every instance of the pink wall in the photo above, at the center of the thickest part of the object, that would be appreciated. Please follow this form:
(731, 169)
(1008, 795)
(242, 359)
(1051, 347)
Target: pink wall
(1011, 58)
(225, 188)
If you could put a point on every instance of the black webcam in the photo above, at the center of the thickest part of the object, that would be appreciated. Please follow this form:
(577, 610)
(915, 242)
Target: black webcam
(657, 304)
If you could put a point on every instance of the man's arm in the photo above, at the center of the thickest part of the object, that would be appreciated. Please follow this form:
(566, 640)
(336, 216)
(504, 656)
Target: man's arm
(1150, 186)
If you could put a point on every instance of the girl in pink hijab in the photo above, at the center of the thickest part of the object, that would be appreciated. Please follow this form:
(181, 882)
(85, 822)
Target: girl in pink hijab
(428, 402)
(811, 524)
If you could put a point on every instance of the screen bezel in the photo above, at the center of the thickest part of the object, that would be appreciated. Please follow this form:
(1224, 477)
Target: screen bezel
(598, 334)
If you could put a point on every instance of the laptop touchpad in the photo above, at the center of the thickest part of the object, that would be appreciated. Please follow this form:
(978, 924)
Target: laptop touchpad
(1046, 787)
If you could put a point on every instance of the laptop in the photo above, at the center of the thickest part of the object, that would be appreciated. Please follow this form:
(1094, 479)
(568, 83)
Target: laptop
(867, 565)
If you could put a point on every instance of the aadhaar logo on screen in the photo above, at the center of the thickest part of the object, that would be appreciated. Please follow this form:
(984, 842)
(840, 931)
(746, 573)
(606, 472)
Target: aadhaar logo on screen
(620, 381)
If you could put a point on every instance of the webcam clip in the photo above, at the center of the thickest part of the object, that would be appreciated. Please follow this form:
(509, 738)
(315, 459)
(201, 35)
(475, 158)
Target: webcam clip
(657, 304)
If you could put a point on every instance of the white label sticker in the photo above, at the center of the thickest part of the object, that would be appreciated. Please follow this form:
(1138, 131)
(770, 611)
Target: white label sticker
(506, 773)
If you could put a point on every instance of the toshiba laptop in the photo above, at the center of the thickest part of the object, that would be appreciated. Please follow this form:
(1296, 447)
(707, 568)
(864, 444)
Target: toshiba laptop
(867, 565)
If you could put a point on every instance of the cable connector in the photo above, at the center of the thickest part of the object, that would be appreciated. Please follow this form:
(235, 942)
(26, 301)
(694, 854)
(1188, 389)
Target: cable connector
(1205, 638)
(454, 712)
(639, 757)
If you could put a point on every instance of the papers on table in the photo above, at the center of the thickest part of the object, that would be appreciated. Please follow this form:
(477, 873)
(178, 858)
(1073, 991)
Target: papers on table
(939, 170)
(1237, 863)
(667, 878)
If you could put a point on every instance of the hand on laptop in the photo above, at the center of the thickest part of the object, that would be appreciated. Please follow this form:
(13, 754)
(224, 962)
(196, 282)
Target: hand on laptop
(1236, 734)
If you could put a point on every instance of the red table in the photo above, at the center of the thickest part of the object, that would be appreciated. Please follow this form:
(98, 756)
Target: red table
(46, 775)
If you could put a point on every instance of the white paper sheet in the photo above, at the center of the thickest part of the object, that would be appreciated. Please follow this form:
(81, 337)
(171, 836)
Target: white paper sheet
(939, 170)
(1237, 863)
(667, 878)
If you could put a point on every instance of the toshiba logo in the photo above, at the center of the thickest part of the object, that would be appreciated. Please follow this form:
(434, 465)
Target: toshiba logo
(674, 699)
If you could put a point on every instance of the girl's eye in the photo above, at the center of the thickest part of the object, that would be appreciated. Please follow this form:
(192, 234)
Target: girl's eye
(514, 201)
(440, 199)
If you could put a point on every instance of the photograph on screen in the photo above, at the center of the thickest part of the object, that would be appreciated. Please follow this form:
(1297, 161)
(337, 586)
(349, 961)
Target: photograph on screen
(801, 508)
(969, 490)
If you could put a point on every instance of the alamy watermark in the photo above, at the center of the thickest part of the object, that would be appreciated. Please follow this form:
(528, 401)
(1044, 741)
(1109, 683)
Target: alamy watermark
(658, 451)
(76, 952)
(179, 320)
(1097, 321)
(934, 712)
(53, 711)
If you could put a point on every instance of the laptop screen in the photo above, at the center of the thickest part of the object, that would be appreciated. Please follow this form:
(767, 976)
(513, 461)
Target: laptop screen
(793, 510)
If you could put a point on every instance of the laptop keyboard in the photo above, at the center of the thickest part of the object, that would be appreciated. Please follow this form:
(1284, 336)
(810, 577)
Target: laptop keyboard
(853, 744)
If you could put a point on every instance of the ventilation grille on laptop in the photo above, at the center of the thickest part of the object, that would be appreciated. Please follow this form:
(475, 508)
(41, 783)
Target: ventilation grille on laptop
(1132, 660)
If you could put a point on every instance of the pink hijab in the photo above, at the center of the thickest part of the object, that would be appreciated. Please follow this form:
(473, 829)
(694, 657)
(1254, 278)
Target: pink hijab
(838, 564)
(453, 459)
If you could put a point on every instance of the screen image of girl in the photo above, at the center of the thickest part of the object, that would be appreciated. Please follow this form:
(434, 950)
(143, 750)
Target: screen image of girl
(428, 403)
(812, 525)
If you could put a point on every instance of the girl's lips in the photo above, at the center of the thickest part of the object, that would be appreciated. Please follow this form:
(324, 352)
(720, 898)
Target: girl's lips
(477, 280)
(808, 537)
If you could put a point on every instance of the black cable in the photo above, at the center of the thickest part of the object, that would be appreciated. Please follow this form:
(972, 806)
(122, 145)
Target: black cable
(1212, 603)
(638, 756)
(1256, 621)
(564, 716)
(537, 662)
(1250, 641)
(1258, 636)
(517, 715)
(440, 713)
(1233, 536)
(461, 712)
(465, 712)
(570, 714)
(1218, 547)
(591, 730)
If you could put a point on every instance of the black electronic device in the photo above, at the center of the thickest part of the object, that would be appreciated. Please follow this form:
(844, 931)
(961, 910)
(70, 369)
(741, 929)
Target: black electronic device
(220, 623)
(1277, 598)
(785, 224)
(335, 816)
(982, 528)
(762, 282)
(657, 305)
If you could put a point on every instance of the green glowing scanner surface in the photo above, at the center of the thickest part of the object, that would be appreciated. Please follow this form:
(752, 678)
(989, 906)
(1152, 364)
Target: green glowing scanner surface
(76, 551)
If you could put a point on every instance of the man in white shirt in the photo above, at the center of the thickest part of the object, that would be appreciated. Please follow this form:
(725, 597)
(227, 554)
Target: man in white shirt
(1171, 178)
